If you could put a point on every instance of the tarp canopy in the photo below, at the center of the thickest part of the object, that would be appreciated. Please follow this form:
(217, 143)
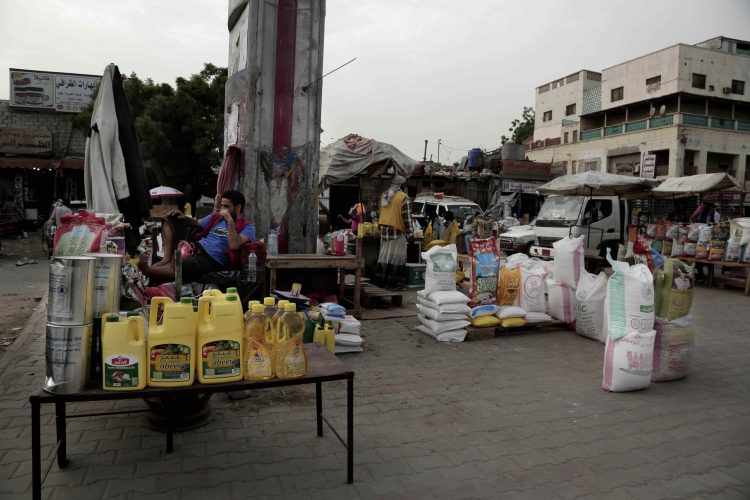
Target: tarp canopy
(354, 154)
(696, 184)
(597, 184)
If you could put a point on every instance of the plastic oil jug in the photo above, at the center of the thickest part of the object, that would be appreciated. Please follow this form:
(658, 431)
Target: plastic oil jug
(269, 304)
(124, 360)
(171, 343)
(325, 335)
(258, 356)
(250, 305)
(290, 360)
(220, 328)
(278, 314)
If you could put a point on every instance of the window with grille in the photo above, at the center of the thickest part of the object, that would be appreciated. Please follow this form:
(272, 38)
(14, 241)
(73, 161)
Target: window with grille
(565, 138)
(570, 109)
(547, 116)
(738, 87)
(653, 80)
(575, 136)
(618, 94)
(699, 81)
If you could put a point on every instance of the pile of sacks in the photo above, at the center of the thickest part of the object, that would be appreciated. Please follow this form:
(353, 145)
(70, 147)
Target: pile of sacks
(347, 328)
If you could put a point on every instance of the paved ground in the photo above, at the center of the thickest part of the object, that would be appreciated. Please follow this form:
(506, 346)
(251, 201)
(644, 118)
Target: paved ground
(515, 417)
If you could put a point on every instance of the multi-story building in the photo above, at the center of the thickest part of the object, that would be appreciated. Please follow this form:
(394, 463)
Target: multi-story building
(687, 105)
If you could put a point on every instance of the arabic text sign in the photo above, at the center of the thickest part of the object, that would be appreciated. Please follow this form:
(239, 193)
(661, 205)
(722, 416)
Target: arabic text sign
(25, 141)
(648, 169)
(56, 91)
(524, 187)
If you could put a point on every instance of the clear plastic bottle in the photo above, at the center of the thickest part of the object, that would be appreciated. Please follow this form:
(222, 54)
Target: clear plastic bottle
(269, 307)
(258, 361)
(252, 268)
(250, 305)
(279, 313)
(290, 360)
(273, 242)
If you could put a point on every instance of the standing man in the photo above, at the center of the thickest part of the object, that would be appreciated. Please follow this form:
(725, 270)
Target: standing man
(216, 246)
(395, 226)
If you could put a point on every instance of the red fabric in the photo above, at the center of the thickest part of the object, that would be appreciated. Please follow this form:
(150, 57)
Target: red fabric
(228, 174)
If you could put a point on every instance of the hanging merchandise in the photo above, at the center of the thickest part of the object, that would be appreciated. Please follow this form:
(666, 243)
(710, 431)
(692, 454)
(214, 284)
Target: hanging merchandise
(124, 358)
(485, 268)
(589, 308)
(171, 343)
(568, 263)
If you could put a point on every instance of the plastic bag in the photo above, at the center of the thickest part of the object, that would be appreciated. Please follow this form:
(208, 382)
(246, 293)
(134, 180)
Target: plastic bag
(678, 248)
(673, 289)
(79, 234)
(674, 344)
(701, 251)
(485, 267)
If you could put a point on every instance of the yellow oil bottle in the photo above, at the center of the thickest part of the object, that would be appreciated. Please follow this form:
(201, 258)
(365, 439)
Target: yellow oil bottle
(171, 343)
(124, 359)
(325, 335)
(278, 314)
(290, 360)
(269, 304)
(258, 356)
(250, 305)
(220, 330)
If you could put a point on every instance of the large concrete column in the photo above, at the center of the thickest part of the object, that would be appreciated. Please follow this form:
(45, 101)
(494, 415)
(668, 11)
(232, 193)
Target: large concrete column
(273, 113)
(702, 163)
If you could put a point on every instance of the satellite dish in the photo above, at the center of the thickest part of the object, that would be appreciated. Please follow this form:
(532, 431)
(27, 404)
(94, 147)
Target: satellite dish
(652, 111)
(662, 110)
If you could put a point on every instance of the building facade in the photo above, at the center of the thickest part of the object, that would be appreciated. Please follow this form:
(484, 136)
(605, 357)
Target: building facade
(686, 106)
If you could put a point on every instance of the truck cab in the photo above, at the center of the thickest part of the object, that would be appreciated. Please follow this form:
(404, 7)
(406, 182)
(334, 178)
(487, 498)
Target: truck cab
(601, 219)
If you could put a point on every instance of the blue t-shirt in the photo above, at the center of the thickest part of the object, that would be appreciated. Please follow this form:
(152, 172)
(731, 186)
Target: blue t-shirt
(216, 242)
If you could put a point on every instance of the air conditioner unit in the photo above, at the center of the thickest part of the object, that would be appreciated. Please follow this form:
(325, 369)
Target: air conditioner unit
(727, 90)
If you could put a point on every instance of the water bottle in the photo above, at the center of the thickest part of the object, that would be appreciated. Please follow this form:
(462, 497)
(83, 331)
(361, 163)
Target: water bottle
(252, 267)
(273, 242)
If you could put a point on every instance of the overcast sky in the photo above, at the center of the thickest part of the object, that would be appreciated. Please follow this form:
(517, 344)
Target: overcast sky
(459, 71)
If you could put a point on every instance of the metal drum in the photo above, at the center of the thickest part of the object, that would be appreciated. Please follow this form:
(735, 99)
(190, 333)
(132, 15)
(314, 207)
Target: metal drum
(107, 276)
(71, 290)
(67, 358)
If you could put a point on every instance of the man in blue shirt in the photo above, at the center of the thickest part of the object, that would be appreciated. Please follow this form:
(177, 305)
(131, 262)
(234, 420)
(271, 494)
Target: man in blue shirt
(216, 246)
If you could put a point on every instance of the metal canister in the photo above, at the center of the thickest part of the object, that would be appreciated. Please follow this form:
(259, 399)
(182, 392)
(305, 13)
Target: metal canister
(67, 358)
(71, 290)
(107, 276)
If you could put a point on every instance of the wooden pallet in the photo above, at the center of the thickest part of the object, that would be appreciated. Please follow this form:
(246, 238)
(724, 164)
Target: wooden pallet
(491, 332)
(372, 296)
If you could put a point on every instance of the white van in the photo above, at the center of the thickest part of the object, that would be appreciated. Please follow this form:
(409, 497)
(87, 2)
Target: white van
(425, 206)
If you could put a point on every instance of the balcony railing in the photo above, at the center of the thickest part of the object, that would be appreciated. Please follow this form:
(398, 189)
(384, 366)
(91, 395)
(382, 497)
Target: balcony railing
(591, 134)
(722, 123)
(636, 126)
(613, 130)
(660, 121)
(743, 126)
(697, 120)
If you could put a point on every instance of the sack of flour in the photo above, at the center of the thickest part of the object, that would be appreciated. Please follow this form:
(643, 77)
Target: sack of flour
(440, 274)
(508, 286)
(569, 253)
(673, 349)
(589, 308)
(628, 362)
(562, 300)
(531, 296)
(630, 299)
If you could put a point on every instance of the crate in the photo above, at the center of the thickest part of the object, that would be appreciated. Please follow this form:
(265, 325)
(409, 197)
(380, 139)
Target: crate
(415, 274)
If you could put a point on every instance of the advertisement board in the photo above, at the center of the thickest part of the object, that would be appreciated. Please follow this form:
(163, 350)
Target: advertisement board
(25, 141)
(63, 92)
(511, 186)
(648, 168)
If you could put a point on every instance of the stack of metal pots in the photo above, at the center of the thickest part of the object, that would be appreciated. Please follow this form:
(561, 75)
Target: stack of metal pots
(81, 289)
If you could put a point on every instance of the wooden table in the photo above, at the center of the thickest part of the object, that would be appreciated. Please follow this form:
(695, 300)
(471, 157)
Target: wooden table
(315, 261)
(322, 366)
(740, 282)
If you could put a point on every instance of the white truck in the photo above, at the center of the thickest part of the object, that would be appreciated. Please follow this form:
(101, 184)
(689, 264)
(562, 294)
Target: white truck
(601, 219)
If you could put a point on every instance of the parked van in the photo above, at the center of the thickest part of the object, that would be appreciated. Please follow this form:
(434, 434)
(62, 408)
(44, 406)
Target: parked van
(425, 207)
(601, 219)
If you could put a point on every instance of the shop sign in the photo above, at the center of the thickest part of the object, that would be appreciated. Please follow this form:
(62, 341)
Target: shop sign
(510, 186)
(68, 93)
(25, 141)
(521, 169)
(648, 168)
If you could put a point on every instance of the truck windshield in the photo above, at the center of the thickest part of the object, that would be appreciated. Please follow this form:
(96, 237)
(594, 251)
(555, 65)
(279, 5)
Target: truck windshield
(460, 212)
(560, 210)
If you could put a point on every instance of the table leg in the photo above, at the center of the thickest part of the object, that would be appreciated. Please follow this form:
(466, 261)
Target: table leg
(62, 448)
(319, 406)
(357, 291)
(272, 281)
(710, 275)
(36, 451)
(350, 430)
(342, 284)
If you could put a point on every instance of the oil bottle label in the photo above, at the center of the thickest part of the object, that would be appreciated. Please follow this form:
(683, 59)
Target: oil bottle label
(221, 359)
(294, 363)
(121, 370)
(170, 362)
(259, 361)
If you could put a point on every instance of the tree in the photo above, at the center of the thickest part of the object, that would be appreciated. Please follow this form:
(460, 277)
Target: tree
(181, 129)
(521, 128)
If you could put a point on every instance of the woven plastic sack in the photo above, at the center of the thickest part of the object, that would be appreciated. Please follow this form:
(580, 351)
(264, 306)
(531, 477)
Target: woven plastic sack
(673, 288)
(440, 273)
(448, 336)
(569, 253)
(79, 234)
(436, 315)
(531, 295)
(704, 234)
(673, 349)
(562, 300)
(485, 267)
(508, 286)
(589, 308)
(630, 294)
(678, 248)
(701, 251)
(628, 362)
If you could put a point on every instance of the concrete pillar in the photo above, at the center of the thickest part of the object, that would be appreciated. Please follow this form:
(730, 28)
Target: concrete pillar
(740, 167)
(700, 165)
(273, 113)
(677, 160)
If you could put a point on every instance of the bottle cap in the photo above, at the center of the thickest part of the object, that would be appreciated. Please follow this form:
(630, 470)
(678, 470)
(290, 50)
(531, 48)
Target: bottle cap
(113, 319)
(269, 301)
(251, 303)
(282, 303)
(231, 289)
(290, 307)
(186, 300)
(258, 308)
(231, 298)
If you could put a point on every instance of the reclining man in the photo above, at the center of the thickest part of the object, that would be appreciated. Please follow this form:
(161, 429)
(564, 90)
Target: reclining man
(217, 245)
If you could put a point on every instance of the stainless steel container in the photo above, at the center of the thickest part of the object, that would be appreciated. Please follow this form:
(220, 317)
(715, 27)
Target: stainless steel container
(107, 276)
(71, 290)
(67, 358)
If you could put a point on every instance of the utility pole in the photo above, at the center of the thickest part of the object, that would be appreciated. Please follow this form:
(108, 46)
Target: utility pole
(425, 150)
(438, 158)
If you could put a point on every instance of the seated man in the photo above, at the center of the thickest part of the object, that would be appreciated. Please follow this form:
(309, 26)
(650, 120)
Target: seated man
(217, 245)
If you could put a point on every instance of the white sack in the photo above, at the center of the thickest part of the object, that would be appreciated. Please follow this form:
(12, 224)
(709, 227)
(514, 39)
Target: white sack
(537, 317)
(443, 326)
(348, 339)
(568, 260)
(505, 312)
(562, 301)
(589, 308)
(449, 336)
(453, 297)
(630, 294)
(531, 296)
(440, 274)
(628, 362)
(516, 260)
(436, 315)
(445, 308)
